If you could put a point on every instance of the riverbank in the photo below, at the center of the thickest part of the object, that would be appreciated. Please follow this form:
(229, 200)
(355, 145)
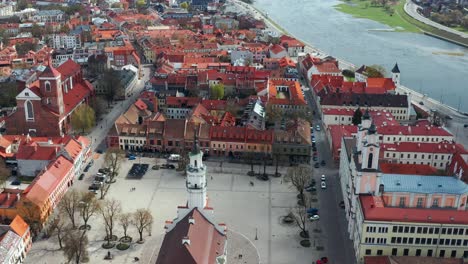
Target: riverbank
(391, 17)
(255, 12)
(397, 17)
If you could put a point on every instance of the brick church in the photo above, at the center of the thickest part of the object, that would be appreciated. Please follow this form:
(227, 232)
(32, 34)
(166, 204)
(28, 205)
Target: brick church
(45, 108)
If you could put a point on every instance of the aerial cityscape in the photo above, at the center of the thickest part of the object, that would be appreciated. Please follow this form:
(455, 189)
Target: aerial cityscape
(234, 131)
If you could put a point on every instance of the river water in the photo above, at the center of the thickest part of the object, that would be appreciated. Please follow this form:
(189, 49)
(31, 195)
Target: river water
(424, 64)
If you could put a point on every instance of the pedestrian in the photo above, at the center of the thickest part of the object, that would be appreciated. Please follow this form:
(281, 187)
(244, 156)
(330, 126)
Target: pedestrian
(101, 126)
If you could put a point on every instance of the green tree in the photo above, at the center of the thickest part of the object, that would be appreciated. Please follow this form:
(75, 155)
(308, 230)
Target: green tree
(375, 71)
(21, 4)
(112, 85)
(37, 31)
(184, 5)
(8, 92)
(23, 48)
(217, 91)
(4, 37)
(83, 118)
(357, 117)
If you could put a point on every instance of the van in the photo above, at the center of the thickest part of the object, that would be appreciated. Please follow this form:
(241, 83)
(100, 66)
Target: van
(174, 157)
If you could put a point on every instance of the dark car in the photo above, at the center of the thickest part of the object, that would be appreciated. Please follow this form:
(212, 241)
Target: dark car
(168, 166)
(317, 165)
(315, 158)
(323, 163)
(81, 177)
(314, 148)
(100, 151)
(16, 182)
(465, 125)
(342, 205)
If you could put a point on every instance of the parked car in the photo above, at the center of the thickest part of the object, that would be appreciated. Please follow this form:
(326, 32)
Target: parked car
(323, 163)
(168, 166)
(312, 211)
(322, 177)
(316, 165)
(465, 125)
(81, 177)
(100, 151)
(315, 158)
(314, 218)
(317, 127)
(342, 205)
(311, 189)
(16, 182)
(323, 185)
(131, 157)
(104, 170)
(174, 157)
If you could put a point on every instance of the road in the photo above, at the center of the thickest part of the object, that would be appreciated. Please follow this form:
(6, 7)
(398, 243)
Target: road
(332, 217)
(412, 10)
(99, 133)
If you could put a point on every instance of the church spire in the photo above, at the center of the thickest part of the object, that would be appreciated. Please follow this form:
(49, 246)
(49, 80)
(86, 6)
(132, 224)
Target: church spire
(196, 147)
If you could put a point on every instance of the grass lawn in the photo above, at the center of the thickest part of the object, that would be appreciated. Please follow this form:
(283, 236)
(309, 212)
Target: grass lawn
(363, 9)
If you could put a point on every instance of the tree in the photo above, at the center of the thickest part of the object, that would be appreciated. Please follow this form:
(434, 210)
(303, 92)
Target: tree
(64, 28)
(23, 48)
(83, 118)
(21, 4)
(98, 105)
(4, 173)
(125, 220)
(69, 205)
(217, 91)
(375, 71)
(89, 206)
(357, 116)
(112, 85)
(75, 246)
(104, 189)
(301, 216)
(142, 219)
(60, 227)
(299, 177)
(4, 37)
(184, 5)
(273, 114)
(110, 211)
(37, 31)
(113, 159)
(464, 22)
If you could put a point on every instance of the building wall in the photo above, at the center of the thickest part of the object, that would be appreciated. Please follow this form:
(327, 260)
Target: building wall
(399, 113)
(132, 142)
(421, 200)
(413, 239)
(438, 161)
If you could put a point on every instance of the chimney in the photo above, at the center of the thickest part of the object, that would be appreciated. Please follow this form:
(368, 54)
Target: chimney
(8, 196)
(18, 196)
(185, 241)
(50, 141)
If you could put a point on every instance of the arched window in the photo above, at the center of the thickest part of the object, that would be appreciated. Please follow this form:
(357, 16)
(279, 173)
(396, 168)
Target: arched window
(29, 110)
(369, 160)
(195, 163)
(47, 86)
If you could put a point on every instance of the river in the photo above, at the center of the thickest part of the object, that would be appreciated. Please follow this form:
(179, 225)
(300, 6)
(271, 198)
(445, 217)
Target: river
(423, 60)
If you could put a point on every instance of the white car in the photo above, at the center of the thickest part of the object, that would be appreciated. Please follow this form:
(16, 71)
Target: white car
(323, 177)
(314, 218)
(317, 127)
(323, 185)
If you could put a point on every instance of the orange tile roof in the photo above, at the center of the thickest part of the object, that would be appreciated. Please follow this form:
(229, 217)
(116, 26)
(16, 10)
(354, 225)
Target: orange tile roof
(19, 226)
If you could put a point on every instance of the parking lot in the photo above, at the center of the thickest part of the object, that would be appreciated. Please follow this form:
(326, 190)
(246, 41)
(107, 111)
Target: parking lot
(252, 210)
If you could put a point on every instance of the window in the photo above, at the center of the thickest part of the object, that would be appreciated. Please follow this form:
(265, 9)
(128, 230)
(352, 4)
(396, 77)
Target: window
(435, 203)
(425, 230)
(444, 231)
(405, 240)
(405, 252)
(412, 229)
(436, 230)
(410, 241)
(394, 251)
(449, 231)
(368, 251)
(418, 240)
(420, 202)
(47, 86)
(465, 254)
(454, 254)
(400, 229)
(369, 161)
(394, 240)
(402, 201)
(418, 252)
(395, 228)
(419, 230)
(406, 229)
(29, 110)
(431, 230)
(379, 252)
(442, 253)
(429, 253)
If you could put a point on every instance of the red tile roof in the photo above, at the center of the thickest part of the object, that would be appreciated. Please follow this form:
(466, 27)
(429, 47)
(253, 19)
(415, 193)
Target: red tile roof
(69, 68)
(414, 130)
(442, 147)
(49, 72)
(75, 96)
(173, 101)
(206, 242)
(19, 226)
(277, 49)
(380, 83)
(214, 104)
(413, 169)
(374, 210)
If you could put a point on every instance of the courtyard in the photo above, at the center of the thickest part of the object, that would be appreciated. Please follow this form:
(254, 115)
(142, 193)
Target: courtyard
(252, 209)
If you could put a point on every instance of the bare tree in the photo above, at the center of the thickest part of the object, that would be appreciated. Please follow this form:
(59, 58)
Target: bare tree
(4, 173)
(299, 177)
(69, 205)
(301, 216)
(110, 211)
(142, 219)
(59, 227)
(104, 189)
(125, 220)
(113, 159)
(75, 246)
(89, 206)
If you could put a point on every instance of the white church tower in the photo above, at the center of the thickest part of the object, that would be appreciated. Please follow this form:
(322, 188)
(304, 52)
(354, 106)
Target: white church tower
(396, 75)
(196, 178)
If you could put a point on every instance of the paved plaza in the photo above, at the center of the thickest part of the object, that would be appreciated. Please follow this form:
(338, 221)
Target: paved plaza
(250, 211)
